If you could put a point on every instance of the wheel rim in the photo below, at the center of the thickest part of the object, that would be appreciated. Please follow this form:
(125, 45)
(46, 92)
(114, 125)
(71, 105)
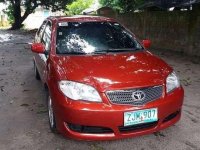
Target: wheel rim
(50, 110)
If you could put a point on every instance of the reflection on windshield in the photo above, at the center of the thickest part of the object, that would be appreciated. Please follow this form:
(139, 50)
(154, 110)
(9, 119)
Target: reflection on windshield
(76, 43)
(91, 37)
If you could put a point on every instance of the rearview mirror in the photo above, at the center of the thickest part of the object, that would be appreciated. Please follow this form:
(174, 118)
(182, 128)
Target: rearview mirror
(146, 43)
(38, 48)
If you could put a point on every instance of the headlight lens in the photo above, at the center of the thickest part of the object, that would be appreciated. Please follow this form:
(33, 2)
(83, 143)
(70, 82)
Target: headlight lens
(172, 82)
(79, 91)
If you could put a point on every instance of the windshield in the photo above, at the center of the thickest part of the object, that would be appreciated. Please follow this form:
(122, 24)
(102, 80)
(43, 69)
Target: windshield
(94, 37)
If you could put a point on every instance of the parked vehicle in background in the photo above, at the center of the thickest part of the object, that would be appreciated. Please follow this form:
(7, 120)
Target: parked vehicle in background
(101, 82)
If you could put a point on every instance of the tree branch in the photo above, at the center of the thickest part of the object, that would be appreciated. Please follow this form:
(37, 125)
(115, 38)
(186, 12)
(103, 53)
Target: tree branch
(12, 2)
(30, 8)
(28, 12)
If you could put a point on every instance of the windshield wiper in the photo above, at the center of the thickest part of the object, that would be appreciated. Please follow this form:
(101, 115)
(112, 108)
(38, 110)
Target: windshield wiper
(101, 51)
(73, 53)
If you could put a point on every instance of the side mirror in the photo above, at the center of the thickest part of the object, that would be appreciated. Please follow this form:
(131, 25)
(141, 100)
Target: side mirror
(38, 48)
(146, 43)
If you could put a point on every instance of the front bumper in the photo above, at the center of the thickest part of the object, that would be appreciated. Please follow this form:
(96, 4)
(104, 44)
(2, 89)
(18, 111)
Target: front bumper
(109, 116)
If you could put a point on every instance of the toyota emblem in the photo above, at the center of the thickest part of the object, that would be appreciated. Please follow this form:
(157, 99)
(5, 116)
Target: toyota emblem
(138, 95)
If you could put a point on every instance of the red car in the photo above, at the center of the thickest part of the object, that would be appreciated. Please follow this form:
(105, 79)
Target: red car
(101, 82)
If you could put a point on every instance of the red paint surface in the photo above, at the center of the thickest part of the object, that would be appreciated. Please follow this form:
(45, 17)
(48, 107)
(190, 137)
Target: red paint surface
(37, 48)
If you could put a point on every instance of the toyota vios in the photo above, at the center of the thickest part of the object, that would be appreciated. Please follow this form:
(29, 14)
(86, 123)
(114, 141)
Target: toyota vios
(101, 82)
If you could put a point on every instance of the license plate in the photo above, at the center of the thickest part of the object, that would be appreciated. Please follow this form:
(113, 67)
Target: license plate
(140, 116)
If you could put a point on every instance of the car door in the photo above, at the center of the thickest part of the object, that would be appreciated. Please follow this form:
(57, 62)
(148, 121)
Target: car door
(38, 39)
(43, 36)
(46, 40)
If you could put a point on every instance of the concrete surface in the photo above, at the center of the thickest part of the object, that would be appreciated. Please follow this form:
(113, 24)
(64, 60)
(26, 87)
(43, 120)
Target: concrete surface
(23, 113)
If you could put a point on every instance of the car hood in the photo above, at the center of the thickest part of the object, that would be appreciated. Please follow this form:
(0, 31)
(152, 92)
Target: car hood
(114, 71)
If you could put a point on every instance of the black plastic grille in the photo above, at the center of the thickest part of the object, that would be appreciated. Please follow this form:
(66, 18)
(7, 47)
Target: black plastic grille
(171, 116)
(89, 129)
(126, 96)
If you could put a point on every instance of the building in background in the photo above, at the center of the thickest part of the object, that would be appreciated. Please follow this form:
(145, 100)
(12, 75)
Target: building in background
(153, 5)
(3, 16)
(35, 19)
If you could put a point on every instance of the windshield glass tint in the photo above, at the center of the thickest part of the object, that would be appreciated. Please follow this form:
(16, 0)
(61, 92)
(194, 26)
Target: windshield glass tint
(91, 37)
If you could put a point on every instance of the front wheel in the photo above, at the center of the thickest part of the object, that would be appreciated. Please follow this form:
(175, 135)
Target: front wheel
(52, 122)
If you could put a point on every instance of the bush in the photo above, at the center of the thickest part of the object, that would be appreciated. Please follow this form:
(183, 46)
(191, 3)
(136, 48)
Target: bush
(78, 6)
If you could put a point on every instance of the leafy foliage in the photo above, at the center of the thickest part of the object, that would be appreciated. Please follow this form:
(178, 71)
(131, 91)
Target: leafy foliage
(9, 11)
(15, 9)
(122, 5)
(78, 6)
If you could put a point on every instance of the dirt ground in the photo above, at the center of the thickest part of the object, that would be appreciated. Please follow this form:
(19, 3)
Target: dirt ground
(23, 113)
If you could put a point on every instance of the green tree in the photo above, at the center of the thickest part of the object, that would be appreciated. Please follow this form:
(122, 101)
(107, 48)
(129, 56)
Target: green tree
(16, 6)
(78, 6)
(9, 12)
(122, 5)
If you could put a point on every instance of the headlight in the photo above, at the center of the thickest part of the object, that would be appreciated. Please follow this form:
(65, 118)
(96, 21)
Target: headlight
(172, 82)
(79, 91)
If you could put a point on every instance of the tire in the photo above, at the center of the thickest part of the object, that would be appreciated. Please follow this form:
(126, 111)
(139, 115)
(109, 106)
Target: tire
(51, 116)
(37, 75)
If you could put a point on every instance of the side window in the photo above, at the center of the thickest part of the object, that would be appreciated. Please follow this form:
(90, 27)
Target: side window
(40, 32)
(46, 39)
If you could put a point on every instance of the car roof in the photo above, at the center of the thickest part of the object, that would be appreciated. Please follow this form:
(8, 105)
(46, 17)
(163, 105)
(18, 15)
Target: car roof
(80, 18)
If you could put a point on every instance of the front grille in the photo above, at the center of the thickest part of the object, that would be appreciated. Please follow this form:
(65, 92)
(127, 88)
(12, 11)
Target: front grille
(126, 96)
(138, 127)
(89, 129)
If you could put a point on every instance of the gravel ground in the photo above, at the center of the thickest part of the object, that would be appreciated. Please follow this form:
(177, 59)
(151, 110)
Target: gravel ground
(23, 113)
